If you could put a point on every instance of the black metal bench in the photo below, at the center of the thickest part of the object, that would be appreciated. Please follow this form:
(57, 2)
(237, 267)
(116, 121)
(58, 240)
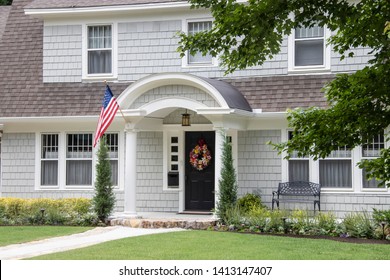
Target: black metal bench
(292, 191)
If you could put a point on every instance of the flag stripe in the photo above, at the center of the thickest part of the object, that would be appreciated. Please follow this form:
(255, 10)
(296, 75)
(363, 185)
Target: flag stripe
(109, 109)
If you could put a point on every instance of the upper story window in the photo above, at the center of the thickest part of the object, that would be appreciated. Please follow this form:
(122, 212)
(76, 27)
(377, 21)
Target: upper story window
(308, 49)
(193, 28)
(198, 59)
(99, 49)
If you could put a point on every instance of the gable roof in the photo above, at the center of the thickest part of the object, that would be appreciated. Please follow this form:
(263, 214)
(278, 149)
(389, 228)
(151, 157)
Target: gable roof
(23, 93)
(4, 12)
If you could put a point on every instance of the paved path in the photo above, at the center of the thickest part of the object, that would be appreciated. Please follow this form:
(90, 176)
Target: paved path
(64, 243)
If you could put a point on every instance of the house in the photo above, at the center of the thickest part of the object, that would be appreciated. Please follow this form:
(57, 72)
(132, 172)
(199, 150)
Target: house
(55, 56)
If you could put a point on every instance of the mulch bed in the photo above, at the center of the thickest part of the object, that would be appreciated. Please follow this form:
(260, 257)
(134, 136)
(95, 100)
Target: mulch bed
(339, 239)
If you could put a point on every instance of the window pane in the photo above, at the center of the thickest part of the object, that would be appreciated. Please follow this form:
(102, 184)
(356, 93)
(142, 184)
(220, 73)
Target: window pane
(99, 62)
(369, 183)
(78, 172)
(336, 173)
(112, 144)
(49, 173)
(298, 170)
(79, 146)
(314, 32)
(114, 172)
(373, 148)
(49, 146)
(309, 52)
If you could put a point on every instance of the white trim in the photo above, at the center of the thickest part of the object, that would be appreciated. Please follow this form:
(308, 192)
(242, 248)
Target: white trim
(131, 93)
(42, 12)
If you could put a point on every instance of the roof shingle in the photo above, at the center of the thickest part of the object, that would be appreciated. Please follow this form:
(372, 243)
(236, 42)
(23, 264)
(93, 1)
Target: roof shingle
(23, 93)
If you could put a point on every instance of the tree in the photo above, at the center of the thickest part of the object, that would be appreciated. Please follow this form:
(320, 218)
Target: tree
(246, 34)
(104, 198)
(227, 183)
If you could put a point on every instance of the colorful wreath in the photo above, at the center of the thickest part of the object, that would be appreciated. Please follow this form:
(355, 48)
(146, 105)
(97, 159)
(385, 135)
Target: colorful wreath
(200, 156)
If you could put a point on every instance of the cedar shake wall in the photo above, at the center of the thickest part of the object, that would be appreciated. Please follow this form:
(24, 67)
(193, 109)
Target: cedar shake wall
(150, 194)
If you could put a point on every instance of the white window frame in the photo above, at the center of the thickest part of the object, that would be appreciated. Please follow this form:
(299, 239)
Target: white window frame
(185, 59)
(167, 135)
(314, 176)
(114, 55)
(62, 161)
(325, 67)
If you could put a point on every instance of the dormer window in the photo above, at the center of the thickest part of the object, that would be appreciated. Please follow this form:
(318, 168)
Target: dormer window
(99, 49)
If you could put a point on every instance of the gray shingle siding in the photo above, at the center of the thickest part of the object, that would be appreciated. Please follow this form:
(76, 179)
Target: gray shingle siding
(150, 194)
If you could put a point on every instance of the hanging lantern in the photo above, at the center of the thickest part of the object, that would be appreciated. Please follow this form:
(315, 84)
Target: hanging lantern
(185, 119)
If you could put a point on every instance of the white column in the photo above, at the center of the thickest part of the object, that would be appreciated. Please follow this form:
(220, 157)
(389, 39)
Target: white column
(219, 139)
(130, 173)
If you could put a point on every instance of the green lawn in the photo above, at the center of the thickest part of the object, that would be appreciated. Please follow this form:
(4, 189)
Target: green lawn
(208, 245)
(19, 234)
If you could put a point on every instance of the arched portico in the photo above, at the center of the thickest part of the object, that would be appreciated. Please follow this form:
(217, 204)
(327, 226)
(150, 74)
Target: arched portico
(157, 96)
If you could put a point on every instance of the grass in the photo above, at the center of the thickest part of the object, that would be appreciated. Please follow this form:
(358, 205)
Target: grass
(19, 234)
(208, 245)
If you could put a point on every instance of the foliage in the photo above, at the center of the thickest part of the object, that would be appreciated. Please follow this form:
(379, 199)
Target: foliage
(246, 34)
(227, 182)
(382, 221)
(249, 201)
(5, 2)
(104, 198)
(45, 211)
(359, 225)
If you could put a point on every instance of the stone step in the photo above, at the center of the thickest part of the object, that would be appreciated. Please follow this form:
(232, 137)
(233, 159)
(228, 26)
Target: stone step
(164, 223)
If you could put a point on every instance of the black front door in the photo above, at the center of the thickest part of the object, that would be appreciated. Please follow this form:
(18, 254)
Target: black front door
(199, 183)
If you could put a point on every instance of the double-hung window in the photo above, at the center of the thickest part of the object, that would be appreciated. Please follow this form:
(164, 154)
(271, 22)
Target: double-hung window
(49, 159)
(335, 171)
(100, 49)
(298, 167)
(372, 150)
(79, 159)
(308, 49)
(199, 58)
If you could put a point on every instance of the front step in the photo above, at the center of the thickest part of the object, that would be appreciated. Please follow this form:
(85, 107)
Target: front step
(163, 223)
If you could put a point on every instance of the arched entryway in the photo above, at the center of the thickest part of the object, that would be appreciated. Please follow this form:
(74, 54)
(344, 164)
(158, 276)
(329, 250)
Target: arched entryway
(154, 104)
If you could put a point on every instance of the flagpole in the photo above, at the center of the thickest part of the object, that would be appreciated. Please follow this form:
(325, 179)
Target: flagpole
(119, 108)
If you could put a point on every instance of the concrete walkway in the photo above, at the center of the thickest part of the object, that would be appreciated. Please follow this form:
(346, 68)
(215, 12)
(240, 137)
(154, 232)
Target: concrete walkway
(64, 243)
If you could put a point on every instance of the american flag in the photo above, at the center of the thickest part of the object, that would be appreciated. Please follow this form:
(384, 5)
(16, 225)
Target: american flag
(107, 114)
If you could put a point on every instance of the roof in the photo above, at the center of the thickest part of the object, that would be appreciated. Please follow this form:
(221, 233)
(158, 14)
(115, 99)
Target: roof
(278, 93)
(23, 93)
(58, 4)
(4, 12)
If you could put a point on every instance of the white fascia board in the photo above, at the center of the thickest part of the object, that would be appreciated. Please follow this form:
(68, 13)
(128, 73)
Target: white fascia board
(214, 111)
(270, 115)
(48, 119)
(105, 9)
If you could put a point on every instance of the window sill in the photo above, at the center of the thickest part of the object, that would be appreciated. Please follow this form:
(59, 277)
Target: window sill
(199, 66)
(99, 78)
(311, 70)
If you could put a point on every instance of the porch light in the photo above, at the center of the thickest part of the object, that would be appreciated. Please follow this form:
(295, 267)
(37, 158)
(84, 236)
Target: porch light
(185, 119)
